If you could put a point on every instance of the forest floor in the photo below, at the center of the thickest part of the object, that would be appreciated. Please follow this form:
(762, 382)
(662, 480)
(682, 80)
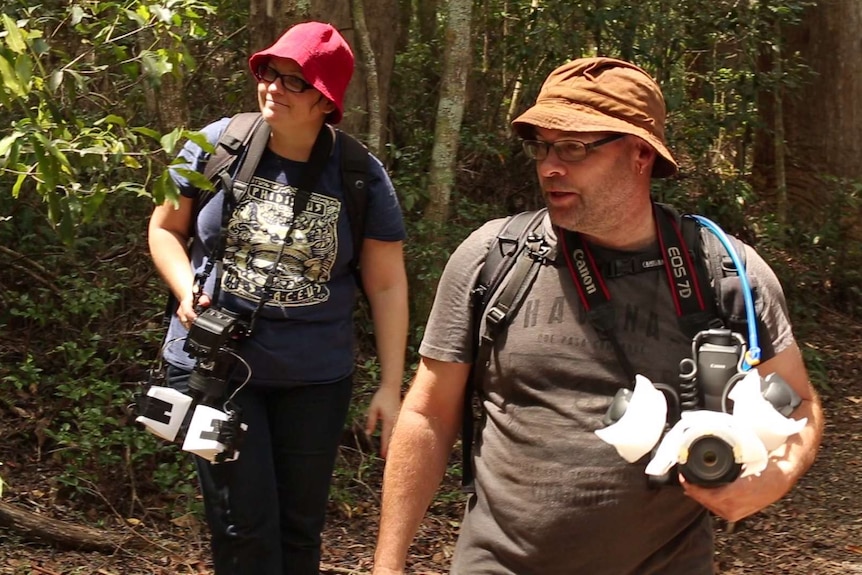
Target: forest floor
(815, 530)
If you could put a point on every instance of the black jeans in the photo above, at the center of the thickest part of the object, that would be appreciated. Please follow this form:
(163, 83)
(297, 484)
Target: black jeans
(266, 510)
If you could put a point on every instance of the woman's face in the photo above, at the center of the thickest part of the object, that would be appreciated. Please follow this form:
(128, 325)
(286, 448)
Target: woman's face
(286, 99)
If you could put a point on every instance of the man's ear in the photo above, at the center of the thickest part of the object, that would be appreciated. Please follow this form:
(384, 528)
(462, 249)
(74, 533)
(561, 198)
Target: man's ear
(645, 157)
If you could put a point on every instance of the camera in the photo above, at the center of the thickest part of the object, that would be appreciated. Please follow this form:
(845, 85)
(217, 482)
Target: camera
(705, 378)
(203, 419)
(715, 365)
(212, 340)
(696, 425)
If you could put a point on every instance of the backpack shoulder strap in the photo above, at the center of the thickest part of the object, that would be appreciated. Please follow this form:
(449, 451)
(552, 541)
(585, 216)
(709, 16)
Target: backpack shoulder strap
(234, 144)
(231, 142)
(354, 175)
(509, 242)
(508, 250)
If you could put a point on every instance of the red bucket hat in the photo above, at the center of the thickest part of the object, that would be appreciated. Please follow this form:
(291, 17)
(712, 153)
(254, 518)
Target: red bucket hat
(602, 95)
(322, 53)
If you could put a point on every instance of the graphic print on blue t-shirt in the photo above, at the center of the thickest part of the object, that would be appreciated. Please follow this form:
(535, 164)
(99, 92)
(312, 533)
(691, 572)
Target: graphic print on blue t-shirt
(255, 235)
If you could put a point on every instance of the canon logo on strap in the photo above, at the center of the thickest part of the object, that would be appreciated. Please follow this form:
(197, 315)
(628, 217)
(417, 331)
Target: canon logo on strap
(586, 277)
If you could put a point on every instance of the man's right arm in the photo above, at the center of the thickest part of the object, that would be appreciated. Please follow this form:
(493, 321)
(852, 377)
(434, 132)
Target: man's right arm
(419, 451)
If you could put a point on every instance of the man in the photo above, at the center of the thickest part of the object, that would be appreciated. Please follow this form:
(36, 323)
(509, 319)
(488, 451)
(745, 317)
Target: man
(551, 497)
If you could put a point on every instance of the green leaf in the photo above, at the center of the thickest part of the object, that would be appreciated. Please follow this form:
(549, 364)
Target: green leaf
(165, 189)
(54, 209)
(195, 178)
(163, 14)
(16, 189)
(6, 143)
(111, 119)
(201, 140)
(67, 222)
(55, 80)
(80, 82)
(47, 168)
(149, 132)
(24, 69)
(14, 38)
(155, 65)
(131, 162)
(51, 148)
(169, 140)
(93, 203)
(143, 12)
(10, 78)
(77, 15)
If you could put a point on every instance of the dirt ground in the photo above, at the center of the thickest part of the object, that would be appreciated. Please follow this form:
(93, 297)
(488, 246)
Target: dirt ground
(815, 530)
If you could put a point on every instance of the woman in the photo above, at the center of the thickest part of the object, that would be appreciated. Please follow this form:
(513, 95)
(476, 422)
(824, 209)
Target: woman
(286, 274)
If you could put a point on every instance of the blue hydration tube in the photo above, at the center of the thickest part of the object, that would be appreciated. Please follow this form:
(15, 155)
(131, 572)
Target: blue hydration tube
(752, 356)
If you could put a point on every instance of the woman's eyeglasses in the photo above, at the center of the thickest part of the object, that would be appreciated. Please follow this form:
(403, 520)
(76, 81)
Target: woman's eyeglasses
(567, 150)
(290, 82)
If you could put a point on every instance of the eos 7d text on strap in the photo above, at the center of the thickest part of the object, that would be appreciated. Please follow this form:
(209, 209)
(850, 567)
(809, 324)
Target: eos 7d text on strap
(691, 307)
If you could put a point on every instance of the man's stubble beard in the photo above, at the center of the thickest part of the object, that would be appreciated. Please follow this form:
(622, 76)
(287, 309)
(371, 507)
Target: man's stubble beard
(597, 211)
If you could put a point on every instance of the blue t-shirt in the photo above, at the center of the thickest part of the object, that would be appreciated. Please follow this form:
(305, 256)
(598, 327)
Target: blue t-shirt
(304, 333)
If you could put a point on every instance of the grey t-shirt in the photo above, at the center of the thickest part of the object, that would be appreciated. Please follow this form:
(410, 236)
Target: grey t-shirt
(551, 497)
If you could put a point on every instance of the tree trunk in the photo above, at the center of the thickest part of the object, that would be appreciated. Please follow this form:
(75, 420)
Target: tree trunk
(372, 87)
(822, 118)
(516, 90)
(59, 533)
(450, 109)
(374, 70)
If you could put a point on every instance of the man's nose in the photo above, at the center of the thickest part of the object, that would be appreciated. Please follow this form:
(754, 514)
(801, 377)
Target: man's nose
(552, 165)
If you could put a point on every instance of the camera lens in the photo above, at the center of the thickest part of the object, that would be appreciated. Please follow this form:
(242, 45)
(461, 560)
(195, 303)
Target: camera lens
(710, 462)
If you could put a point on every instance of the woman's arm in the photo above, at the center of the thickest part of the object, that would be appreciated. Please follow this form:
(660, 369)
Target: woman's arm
(168, 236)
(385, 282)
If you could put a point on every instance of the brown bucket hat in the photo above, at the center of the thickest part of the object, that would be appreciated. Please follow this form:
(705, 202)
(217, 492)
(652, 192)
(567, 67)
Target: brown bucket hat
(602, 95)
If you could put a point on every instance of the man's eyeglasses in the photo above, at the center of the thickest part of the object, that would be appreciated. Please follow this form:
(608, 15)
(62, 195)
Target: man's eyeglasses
(290, 82)
(567, 150)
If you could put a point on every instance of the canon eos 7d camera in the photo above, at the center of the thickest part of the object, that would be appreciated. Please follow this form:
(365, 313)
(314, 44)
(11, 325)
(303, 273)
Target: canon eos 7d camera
(700, 431)
(204, 418)
(721, 419)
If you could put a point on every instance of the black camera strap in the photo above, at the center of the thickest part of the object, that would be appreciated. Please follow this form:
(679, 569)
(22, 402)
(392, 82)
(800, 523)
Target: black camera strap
(585, 271)
(235, 190)
(320, 153)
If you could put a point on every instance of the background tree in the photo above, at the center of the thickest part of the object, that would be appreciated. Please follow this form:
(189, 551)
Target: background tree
(450, 109)
(807, 159)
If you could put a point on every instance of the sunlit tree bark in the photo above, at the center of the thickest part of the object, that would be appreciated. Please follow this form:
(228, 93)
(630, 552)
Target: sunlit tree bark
(450, 110)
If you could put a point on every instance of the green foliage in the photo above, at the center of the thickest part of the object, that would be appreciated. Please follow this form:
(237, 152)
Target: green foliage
(827, 255)
(817, 364)
(79, 324)
(409, 151)
(65, 77)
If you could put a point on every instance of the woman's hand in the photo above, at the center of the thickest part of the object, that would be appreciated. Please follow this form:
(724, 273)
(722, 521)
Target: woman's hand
(186, 311)
(384, 407)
